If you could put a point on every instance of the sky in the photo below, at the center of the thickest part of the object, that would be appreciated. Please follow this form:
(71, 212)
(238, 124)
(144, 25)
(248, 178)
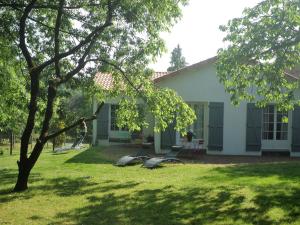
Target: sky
(198, 32)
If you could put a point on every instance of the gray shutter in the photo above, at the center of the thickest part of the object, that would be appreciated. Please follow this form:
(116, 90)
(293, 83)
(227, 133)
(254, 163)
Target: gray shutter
(102, 122)
(296, 130)
(215, 126)
(168, 137)
(253, 130)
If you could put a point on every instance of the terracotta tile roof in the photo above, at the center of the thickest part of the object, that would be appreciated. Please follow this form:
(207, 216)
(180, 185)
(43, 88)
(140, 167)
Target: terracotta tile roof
(157, 75)
(106, 80)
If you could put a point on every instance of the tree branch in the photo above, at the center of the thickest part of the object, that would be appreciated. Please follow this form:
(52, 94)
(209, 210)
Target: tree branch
(22, 35)
(50, 27)
(47, 26)
(82, 43)
(81, 62)
(54, 7)
(78, 122)
(56, 37)
(274, 47)
(123, 74)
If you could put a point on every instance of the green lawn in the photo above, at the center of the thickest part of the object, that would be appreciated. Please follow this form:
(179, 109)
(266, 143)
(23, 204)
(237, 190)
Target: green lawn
(82, 187)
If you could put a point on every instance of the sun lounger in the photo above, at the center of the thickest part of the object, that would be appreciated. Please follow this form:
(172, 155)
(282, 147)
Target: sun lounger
(129, 160)
(169, 157)
(155, 162)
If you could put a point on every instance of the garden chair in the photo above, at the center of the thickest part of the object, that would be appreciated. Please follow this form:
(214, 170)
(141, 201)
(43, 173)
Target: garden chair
(126, 160)
(169, 157)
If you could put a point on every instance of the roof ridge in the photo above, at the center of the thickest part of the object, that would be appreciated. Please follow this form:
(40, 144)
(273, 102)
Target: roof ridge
(195, 65)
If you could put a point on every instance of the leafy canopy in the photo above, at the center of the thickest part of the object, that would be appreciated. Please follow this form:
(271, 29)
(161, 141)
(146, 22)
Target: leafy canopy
(68, 41)
(177, 59)
(263, 48)
(13, 91)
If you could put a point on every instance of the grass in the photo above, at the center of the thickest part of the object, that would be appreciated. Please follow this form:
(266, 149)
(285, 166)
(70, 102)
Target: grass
(83, 187)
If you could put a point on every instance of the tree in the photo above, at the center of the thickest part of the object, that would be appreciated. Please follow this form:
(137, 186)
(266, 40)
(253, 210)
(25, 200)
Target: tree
(13, 90)
(13, 93)
(65, 42)
(177, 60)
(262, 53)
(74, 103)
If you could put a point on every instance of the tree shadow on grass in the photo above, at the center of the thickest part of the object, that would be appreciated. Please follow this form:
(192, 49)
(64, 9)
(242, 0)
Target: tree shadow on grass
(90, 156)
(284, 171)
(64, 186)
(184, 206)
(106, 155)
(61, 186)
(8, 177)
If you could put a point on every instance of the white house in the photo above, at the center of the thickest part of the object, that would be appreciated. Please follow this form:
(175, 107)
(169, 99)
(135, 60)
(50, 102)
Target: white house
(225, 129)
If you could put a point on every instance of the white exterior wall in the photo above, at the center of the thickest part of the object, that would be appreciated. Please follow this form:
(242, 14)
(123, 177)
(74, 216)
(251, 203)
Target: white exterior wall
(202, 85)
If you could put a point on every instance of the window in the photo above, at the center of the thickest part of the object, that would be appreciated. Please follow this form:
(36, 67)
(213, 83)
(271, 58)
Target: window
(281, 127)
(274, 128)
(113, 119)
(198, 126)
(268, 123)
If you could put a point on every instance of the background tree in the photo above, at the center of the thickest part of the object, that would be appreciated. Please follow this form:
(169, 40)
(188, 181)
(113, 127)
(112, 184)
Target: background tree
(13, 93)
(65, 42)
(263, 52)
(73, 103)
(177, 60)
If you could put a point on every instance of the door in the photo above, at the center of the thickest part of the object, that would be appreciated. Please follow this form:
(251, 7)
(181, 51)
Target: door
(215, 128)
(198, 127)
(275, 135)
(253, 128)
(168, 136)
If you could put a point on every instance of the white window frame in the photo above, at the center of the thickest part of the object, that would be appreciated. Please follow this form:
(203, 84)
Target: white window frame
(275, 122)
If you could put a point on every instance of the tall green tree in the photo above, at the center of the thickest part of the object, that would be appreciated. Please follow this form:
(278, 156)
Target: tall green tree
(65, 42)
(263, 51)
(13, 90)
(177, 60)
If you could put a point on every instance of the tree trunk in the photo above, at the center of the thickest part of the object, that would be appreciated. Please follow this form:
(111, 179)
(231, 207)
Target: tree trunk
(23, 164)
(11, 142)
(14, 140)
(24, 171)
(26, 164)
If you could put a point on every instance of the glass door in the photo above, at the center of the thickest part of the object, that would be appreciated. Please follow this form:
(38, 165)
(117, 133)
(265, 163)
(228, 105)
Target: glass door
(275, 129)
